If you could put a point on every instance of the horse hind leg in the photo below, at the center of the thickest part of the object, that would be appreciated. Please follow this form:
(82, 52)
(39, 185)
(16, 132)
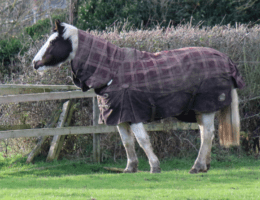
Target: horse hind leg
(144, 141)
(206, 125)
(129, 144)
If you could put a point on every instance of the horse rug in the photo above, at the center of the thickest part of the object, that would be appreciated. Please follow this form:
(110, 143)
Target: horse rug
(137, 86)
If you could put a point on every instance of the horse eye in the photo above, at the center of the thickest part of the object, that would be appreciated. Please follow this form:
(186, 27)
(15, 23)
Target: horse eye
(51, 42)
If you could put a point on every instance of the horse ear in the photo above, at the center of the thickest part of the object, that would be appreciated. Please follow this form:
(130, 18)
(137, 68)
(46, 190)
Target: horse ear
(58, 27)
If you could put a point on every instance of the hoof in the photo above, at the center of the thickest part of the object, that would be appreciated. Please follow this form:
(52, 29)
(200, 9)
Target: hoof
(155, 170)
(198, 167)
(131, 168)
(195, 171)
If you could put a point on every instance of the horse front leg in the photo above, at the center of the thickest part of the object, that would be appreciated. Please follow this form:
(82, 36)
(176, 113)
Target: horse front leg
(206, 125)
(144, 141)
(129, 144)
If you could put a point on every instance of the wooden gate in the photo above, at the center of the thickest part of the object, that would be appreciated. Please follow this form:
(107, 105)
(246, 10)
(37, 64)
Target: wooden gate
(28, 93)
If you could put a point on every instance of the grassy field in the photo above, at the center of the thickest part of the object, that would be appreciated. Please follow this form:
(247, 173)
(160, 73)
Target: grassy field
(232, 179)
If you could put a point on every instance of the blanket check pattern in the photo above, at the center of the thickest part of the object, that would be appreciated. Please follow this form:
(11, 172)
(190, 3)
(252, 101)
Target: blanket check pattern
(148, 86)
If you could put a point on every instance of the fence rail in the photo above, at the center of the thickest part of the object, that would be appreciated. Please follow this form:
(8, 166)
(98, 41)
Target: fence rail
(29, 86)
(88, 130)
(45, 96)
(46, 93)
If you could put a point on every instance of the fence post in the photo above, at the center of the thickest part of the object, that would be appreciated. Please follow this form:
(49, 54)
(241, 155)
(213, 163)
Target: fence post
(58, 140)
(96, 137)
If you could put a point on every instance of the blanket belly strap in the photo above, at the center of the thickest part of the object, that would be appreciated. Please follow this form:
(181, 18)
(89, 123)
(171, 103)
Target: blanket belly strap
(153, 108)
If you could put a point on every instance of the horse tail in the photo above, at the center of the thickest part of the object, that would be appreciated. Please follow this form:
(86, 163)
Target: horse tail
(229, 123)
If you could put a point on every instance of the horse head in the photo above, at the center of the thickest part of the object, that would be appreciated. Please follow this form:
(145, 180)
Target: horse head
(60, 47)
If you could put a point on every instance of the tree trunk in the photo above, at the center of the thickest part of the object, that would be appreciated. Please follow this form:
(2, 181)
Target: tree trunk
(73, 11)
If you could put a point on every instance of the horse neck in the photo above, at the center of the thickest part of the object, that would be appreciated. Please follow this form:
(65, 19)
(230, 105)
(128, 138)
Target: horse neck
(98, 57)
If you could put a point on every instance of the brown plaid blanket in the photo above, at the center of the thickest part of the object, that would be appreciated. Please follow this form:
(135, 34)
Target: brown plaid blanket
(150, 86)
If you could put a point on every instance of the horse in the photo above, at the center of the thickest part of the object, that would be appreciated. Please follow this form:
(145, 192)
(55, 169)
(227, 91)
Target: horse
(135, 87)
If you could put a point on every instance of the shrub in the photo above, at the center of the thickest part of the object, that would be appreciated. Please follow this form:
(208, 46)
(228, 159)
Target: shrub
(104, 13)
(101, 14)
(39, 29)
(43, 27)
(8, 49)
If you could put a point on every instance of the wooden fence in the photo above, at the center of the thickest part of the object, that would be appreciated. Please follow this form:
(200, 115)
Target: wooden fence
(29, 93)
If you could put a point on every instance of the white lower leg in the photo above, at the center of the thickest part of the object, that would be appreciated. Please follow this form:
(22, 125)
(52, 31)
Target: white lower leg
(208, 157)
(205, 150)
(206, 124)
(129, 144)
(144, 141)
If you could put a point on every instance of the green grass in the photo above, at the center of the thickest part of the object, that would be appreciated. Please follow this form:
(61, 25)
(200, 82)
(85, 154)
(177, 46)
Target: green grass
(232, 179)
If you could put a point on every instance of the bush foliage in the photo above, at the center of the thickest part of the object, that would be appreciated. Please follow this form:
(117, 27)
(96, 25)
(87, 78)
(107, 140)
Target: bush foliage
(9, 48)
(101, 14)
(105, 13)
(43, 27)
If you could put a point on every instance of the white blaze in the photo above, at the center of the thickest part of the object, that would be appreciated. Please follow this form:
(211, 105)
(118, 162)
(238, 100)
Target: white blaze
(42, 51)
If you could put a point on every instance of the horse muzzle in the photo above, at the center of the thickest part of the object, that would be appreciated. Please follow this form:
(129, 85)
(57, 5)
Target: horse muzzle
(37, 64)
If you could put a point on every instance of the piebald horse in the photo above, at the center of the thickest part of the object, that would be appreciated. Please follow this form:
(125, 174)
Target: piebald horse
(63, 46)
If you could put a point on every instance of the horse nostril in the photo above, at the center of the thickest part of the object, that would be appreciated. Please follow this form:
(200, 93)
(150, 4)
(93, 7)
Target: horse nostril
(35, 65)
